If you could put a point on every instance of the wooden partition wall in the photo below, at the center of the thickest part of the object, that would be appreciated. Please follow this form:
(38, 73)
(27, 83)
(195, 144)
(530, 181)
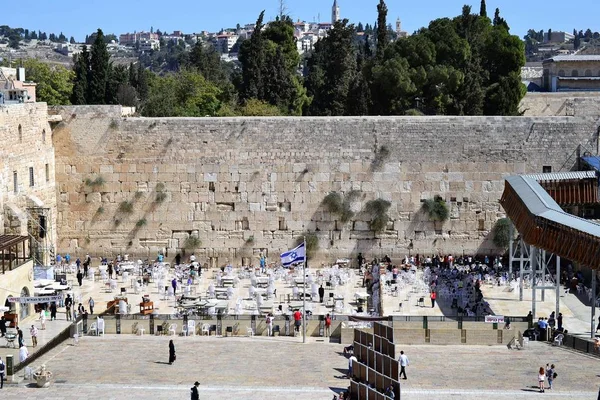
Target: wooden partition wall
(377, 367)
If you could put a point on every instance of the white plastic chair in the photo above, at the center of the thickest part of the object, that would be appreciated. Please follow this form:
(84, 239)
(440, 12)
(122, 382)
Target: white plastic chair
(191, 328)
(558, 340)
(206, 329)
(249, 331)
(93, 329)
(100, 326)
(172, 329)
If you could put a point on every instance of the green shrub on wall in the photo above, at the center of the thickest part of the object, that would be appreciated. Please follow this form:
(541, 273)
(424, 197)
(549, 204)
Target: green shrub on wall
(378, 209)
(192, 243)
(436, 209)
(501, 233)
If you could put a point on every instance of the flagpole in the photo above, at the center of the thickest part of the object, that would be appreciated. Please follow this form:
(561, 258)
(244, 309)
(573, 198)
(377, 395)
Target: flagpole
(304, 293)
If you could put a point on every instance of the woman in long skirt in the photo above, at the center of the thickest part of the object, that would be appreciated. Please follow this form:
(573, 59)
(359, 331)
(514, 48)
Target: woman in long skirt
(171, 352)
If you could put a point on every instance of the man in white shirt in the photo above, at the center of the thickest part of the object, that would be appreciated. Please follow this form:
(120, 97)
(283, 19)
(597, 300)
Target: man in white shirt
(351, 360)
(403, 364)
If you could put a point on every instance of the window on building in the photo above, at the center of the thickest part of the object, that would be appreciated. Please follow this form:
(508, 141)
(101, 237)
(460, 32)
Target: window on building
(20, 133)
(561, 72)
(15, 182)
(44, 136)
(47, 172)
(574, 73)
(31, 180)
(547, 169)
(588, 72)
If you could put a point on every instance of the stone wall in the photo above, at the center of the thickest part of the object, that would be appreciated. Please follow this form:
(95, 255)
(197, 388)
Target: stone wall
(561, 104)
(245, 185)
(26, 139)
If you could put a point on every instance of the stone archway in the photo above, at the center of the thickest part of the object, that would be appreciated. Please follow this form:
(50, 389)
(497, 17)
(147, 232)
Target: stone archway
(24, 307)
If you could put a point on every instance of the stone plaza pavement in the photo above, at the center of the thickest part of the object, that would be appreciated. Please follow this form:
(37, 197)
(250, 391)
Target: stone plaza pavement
(132, 367)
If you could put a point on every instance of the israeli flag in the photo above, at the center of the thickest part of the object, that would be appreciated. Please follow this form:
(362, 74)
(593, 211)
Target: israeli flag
(294, 256)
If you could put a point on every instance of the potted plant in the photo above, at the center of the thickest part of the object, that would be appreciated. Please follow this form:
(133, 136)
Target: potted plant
(42, 377)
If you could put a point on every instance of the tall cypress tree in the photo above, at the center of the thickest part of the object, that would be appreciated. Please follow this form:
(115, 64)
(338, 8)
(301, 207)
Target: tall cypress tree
(382, 32)
(80, 84)
(252, 57)
(483, 9)
(99, 70)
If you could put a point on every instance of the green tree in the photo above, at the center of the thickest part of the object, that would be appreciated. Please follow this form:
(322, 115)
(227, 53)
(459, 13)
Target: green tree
(183, 94)
(72, 40)
(81, 69)
(576, 40)
(252, 57)
(331, 71)
(382, 32)
(99, 70)
(54, 82)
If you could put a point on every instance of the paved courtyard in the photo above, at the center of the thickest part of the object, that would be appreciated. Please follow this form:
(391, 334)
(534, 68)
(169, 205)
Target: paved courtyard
(132, 367)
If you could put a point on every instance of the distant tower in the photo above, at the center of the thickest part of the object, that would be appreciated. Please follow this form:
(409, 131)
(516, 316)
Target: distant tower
(399, 32)
(335, 12)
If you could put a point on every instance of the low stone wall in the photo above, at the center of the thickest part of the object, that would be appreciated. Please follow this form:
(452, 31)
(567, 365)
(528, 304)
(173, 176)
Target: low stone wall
(127, 325)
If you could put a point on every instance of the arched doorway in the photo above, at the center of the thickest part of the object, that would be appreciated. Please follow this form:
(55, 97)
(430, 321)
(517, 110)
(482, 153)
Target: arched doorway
(24, 307)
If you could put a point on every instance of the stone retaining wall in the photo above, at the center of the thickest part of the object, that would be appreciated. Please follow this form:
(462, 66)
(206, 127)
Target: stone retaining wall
(246, 185)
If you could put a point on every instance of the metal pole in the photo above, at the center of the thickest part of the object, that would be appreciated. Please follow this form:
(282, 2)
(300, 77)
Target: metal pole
(592, 330)
(557, 308)
(543, 265)
(533, 262)
(521, 256)
(304, 293)
(511, 229)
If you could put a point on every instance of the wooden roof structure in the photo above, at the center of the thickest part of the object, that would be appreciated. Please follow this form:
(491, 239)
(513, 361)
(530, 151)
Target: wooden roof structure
(543, 224)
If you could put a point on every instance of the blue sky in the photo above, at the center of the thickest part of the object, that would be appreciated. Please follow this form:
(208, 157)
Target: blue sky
(80, 17)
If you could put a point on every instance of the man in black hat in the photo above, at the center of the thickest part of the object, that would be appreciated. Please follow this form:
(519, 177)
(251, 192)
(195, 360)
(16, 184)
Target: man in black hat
(194, 389)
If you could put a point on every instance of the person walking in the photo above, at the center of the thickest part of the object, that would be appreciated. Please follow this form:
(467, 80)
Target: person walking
(433, 297)
(2, 370)
(3, 326)
(81, 309)
(43, 319)
(174, 285)
(172, 356)
(194, 390)
(541, 379)
(559, 321)
(33, 332)
(269, 321)
(91, 305)
(351, 361)
(52, 311)
(550, 374)
(321, 294)
(20, 336)
(403, 359)
(79, 278)
(297, 320)
(68, 305)
(327, 325)
(23, 354)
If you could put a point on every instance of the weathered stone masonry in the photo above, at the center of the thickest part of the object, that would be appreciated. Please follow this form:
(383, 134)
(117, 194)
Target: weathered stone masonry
(243, 185)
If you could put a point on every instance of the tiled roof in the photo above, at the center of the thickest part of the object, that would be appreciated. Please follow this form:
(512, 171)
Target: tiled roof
(574, 58)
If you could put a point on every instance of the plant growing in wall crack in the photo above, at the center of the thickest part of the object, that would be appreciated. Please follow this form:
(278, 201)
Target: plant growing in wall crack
(94, 183)
(381, 155)
(501, 233)
(436, 209)
(142, 222)
(250, 240)
(378, 210)
(341, 207)
(192, 243)
(113, 124)
(161, 195)
(125, 207)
